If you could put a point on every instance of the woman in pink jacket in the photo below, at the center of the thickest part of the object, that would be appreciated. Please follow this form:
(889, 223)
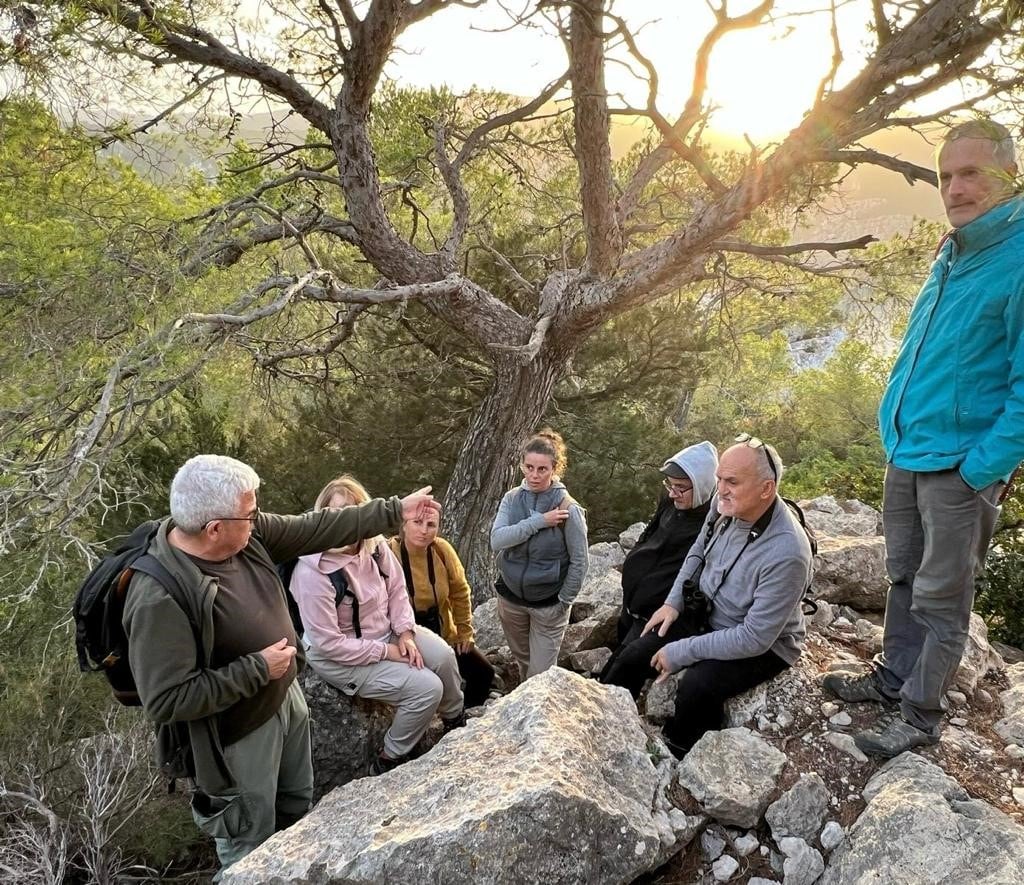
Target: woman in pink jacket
(361, 635)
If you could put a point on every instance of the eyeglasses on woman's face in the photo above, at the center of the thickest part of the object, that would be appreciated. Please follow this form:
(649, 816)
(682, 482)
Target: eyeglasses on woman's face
(755, 443)
(676, 489)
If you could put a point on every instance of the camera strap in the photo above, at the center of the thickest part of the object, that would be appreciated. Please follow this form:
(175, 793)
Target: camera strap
(407, 570)
(756, 530)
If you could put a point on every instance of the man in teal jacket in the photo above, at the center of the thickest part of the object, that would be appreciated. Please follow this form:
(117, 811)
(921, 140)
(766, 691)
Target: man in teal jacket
(952, 425)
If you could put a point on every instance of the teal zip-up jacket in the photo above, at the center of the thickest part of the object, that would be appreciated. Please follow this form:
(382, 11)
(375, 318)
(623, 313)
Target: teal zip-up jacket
(955, 397)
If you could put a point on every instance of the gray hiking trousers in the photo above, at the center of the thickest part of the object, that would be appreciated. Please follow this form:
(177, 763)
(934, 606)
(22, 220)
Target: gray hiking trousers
(937, 531)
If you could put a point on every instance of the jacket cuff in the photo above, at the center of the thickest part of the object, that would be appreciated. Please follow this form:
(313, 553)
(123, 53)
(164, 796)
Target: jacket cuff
(678, 655)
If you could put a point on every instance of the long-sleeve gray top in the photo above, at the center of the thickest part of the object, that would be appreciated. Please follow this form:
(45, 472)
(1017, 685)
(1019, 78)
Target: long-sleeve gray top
(757, 607)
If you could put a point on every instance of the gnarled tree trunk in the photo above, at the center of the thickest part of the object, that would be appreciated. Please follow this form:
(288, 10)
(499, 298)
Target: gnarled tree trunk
(487, 463)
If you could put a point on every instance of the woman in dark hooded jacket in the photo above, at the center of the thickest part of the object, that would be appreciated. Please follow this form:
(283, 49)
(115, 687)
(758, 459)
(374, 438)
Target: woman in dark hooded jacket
(652, 565)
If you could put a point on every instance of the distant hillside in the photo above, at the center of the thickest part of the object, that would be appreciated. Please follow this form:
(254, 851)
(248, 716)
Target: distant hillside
(872, 200)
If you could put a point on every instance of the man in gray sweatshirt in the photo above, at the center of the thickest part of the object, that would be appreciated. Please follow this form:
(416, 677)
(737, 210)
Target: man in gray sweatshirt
(753, 563)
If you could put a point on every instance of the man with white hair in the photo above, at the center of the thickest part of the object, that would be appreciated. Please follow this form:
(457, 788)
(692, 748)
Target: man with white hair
(233, 684)
(751, 565)
(952, 425)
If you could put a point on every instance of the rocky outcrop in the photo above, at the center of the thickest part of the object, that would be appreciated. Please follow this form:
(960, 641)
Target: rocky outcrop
(920, 826)
(1011, 727)
(347, 732)
(557, 782)
(851, 571)
(562, 781)
(827, 516)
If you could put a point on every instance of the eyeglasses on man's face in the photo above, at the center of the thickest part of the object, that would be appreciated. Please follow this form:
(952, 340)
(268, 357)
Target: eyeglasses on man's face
(676, 489)
(755, 443)
(251, 518)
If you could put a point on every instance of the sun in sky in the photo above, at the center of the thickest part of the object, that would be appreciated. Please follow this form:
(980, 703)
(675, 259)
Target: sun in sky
(760, 81)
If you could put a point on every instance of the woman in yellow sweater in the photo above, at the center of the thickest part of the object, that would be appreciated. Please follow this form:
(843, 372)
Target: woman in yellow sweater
(441, 598)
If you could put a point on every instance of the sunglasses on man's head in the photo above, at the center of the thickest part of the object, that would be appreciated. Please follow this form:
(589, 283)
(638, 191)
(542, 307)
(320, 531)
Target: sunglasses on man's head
(755, 443)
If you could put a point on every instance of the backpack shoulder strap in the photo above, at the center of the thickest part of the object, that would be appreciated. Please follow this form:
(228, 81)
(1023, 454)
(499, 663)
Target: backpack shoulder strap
(150, 565)
(341, 589)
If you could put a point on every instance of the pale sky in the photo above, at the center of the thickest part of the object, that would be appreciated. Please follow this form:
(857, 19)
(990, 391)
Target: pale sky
(761, 79)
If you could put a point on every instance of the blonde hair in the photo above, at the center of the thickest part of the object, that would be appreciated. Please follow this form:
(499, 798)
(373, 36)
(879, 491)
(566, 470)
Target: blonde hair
(348, 485)
(550, 443)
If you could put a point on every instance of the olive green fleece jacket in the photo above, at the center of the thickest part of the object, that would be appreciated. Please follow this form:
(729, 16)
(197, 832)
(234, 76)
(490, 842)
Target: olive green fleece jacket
(173, 685)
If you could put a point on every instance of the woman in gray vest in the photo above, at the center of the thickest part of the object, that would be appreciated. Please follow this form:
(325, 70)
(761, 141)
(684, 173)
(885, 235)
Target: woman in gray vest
(540, 536)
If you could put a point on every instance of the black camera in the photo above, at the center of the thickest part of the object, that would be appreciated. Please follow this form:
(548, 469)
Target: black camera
(429, 618)
(696, 611)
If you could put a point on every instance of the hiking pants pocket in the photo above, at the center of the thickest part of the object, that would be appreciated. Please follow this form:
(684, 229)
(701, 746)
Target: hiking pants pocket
(222, 817)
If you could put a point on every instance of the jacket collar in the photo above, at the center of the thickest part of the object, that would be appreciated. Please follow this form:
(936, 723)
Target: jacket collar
(996, 225)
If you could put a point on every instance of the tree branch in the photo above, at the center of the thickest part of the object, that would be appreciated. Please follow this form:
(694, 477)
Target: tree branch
(187, 43)
(593, 151)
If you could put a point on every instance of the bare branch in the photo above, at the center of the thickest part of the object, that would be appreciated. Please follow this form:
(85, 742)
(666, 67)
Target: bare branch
(186, 43)
(692, 110)
(794, 248)
(910, 171)
(473, 140)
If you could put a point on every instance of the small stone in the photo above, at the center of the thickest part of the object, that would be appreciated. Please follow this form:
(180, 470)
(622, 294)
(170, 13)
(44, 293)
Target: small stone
(744, 845)
(829, 708)
(956, 698)
(784, 719)
(760, 880)
(842, 623)
(1014, 751)
(764, 849)
(724, 868)
(845, 743)
(711, 845)
(831, 835)
(983, 697)
(1018, 795)
(763, 722)
(841, 719)
(958, 721)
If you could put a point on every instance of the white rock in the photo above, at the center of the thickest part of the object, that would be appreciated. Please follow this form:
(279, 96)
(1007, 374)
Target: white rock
(841, 719)
(956, 698)
(744, 845)
(845, 743)
(724, 868)
(832, 834)
(1018, 795)
(829, 708)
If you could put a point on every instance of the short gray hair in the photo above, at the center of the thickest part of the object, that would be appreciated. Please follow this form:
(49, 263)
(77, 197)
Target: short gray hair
(1002, 142)
(764, 470)
(208, 487)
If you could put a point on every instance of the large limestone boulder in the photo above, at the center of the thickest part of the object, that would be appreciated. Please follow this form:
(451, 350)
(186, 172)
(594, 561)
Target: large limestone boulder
(732, 774)
(347, 732)
(600, 589)
(557, 782)
(921, 828)
(487, 627)
(629, 537)
(827, 516)
(851, 571)
(978, 657)
(1011, 727)
(597, 631)
(605, 555)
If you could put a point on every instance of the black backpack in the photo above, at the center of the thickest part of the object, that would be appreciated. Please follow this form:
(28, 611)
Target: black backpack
(100, 639)
(341, 590)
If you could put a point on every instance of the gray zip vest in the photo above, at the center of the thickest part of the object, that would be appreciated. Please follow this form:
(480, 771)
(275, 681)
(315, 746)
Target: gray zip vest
(534, 571)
